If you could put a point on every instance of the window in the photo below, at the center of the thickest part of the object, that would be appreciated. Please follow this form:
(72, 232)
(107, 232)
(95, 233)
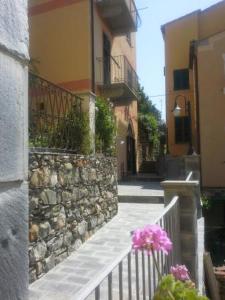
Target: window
(182, 130)
(181, 79)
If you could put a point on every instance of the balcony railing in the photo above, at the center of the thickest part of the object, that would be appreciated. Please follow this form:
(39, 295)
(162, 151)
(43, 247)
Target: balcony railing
(120, 15)
(53, 115)
(116, 77)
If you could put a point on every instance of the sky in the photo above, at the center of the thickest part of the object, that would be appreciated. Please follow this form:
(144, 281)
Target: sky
(150, 45)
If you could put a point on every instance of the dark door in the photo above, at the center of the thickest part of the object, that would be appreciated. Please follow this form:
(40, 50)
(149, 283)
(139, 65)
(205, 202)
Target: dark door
(106, 60)
(131, 155)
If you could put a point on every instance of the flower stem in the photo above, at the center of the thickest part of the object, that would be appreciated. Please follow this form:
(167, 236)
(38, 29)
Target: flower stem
(156, 264)
(171, 296)
(159, 274)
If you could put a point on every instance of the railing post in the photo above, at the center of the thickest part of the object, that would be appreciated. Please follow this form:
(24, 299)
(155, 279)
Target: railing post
(189, 195)
(191, 164)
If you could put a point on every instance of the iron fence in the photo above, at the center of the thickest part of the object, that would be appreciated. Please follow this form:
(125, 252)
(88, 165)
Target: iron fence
(116, 70)
(134, 275)
(54, 115)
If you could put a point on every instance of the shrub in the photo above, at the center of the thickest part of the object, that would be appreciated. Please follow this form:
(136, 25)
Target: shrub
(105, 129)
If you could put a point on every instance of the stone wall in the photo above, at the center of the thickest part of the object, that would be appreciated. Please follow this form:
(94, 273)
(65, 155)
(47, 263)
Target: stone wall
(13, 150)
(178, 167)
(71, 197)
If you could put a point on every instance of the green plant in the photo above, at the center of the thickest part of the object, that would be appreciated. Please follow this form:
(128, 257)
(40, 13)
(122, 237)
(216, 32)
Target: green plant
(72, 132)
(105, 128)
(177, 285)
(170, 288)
(206, 202)
(151, 127)
(69, 132)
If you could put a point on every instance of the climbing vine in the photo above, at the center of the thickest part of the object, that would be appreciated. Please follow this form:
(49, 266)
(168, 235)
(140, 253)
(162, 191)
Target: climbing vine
(105, 127)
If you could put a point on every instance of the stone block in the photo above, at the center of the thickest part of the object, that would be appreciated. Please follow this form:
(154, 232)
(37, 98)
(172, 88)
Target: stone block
(13, 241)
(188, 243)
(188, 222)
(13, 116)
(191, 261)
(48, 197)
(49, 263)
(44, 229)
(14, 26)
(39, 251)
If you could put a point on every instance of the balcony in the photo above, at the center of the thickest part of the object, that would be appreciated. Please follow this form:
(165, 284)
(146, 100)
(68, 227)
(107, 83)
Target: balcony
(120, 15)
(116, 78)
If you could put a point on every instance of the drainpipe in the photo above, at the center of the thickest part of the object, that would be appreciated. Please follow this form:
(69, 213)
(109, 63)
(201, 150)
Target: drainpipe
(92, 46)
(195, 61)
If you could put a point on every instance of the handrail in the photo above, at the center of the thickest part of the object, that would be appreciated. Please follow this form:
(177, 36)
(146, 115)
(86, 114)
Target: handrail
(32, 74)
(165, 219)
(117, 70)
(189, 176)
(168, 208)
(54, 113)
(96, 281)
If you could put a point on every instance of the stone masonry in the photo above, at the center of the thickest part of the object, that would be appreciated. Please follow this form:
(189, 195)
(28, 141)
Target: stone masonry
(71, 196)
(13, 150)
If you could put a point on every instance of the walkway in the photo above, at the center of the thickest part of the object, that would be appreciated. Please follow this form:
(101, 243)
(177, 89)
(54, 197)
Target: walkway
(68, 279)
(140, 191)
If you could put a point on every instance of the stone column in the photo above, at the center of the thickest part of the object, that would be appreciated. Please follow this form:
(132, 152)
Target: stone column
(188, 192)
(192, 164)
(13, 150)
(88, 105)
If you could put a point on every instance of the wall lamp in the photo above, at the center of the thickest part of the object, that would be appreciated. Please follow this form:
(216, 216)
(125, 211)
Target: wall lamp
(177, 112)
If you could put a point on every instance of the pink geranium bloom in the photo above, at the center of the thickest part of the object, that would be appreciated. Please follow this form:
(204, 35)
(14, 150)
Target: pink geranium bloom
(150, 238)
(180, 272)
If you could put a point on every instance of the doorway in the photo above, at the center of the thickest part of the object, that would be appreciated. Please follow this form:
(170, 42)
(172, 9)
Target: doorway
(131, 151)
(106, 60)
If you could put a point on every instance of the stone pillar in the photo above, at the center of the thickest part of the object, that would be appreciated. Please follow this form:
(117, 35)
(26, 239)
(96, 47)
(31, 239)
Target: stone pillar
(188, 192)
(13, 150)
(192, 164)
(88, 105)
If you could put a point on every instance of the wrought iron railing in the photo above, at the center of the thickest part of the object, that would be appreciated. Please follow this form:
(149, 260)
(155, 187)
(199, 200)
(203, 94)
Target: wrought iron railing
(53, 114)
(133, 275)
(116, 69)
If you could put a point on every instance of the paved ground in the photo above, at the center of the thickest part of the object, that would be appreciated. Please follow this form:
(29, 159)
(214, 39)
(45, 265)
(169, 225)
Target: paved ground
(140, 188)
(144, 191)
(67, 280)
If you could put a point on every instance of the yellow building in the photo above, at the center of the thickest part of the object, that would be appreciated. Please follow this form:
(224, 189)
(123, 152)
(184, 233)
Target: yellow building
(88, 47)
(195, 74)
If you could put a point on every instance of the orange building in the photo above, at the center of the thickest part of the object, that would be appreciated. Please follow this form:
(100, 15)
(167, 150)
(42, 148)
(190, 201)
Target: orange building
(89, 48)
(195, 80)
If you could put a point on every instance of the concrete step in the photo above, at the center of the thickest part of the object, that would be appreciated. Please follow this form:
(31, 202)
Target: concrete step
(141, 199)
(151, 177)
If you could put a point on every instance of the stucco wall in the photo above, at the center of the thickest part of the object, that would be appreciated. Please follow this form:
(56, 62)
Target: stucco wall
(212, 110)
(60, 42)
(71, 197)
(178, 35)
(216, 24)
(13, 150)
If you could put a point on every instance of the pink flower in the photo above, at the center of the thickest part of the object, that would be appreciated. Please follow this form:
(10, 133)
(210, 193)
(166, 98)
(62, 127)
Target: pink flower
(180, 272)
(151, 237)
